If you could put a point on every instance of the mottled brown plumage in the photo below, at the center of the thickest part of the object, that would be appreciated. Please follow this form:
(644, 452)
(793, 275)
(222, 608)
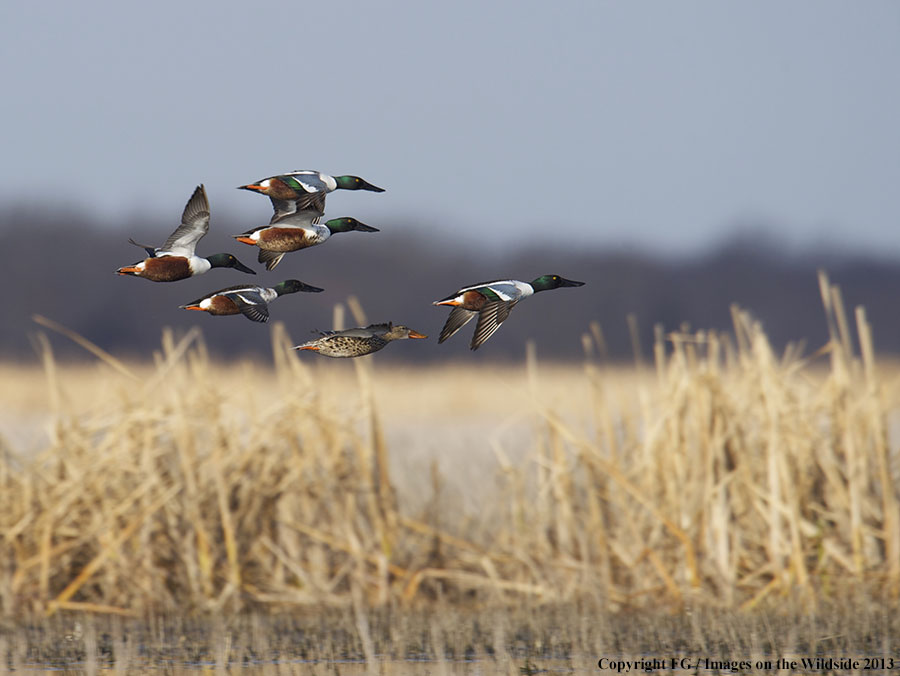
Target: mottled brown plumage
(359, 341)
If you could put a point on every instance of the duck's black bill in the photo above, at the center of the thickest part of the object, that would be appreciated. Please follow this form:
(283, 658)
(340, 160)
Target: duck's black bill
(309, 288)
(568, 282)
(369, 186)
(243, 268)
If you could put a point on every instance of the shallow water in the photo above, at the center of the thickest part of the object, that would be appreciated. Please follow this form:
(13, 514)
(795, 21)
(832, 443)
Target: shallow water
(448, 641)
(384, 667)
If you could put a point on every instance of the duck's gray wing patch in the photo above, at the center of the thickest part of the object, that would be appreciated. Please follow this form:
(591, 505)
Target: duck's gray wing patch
(151, 250)
(194, 224)
(312, 203)
(300, 218)
(356, 333)
(458, 318)
(251, 305)
(490, 318)
(270, 258)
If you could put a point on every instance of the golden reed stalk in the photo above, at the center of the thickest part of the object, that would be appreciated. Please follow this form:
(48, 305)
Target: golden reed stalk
(728, 475)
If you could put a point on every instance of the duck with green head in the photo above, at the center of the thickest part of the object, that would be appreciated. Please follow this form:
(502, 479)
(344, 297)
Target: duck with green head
(492, 303)
(304, 190)
(176, 259)
(249, 300)
(295, 232)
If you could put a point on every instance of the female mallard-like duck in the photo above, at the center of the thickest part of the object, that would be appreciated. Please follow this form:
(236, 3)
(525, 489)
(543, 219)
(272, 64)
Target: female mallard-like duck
(295, 232)
(358, 342)
(176, 259)
(248, 300)
(492, 302)
(304, 190)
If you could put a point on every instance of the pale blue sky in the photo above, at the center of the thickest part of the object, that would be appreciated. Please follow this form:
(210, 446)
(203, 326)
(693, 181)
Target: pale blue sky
(662, 125)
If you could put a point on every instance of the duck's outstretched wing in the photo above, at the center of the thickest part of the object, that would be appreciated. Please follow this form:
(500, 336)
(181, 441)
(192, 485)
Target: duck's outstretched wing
(309, 205)
(151, 250)
(300, 218)
(490, 318)
(458, 318)
(270, 258)
(194, 224)
(251, 304)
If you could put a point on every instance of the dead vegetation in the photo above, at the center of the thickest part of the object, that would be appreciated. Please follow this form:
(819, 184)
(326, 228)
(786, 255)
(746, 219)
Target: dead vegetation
(721, 475)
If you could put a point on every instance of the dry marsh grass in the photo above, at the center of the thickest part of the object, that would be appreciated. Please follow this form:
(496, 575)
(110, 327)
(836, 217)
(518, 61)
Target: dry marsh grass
(720, 474)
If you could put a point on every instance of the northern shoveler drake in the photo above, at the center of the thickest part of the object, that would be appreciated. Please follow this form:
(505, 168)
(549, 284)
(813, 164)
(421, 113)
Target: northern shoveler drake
(175, 259)
(359, 341)
(293, 233)
(251, 301)
(304, 190)
(492, 302)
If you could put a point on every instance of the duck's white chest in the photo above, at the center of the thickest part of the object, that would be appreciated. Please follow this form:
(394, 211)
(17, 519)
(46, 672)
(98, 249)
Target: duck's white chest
(198, 265)
(319, 233)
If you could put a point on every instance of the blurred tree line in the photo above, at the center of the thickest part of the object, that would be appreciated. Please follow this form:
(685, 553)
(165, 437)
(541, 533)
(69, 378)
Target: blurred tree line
(61, 267)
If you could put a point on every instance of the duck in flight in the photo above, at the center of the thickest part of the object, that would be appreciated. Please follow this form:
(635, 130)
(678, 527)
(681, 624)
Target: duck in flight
(295, 232)
(359, 341)
(304, 190)
(176, 259)
(492, 303)
(247, 299)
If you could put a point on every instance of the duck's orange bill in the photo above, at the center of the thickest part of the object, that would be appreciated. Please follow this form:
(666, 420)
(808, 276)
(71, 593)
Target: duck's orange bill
(447, 302)
(193, 307)
(416, 334)
(309, 347)
(245, 240)
(129, 269)
(253, 187)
